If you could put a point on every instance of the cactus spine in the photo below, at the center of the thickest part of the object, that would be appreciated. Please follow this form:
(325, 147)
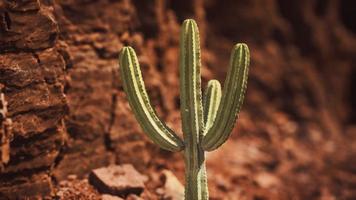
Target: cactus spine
(207, 122)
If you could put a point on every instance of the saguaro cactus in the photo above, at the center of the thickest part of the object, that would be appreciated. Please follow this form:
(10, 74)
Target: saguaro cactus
(206, 124)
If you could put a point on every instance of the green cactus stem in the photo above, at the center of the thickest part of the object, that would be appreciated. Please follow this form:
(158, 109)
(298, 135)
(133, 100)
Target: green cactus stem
(207, 122)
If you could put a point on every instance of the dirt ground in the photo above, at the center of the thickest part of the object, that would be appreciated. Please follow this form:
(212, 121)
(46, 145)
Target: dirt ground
(64, 112)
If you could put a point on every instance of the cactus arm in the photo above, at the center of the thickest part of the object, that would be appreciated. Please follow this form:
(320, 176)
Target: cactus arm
(190, 83)
(137, 96)
(192, 111)
(232, 98)
(212, 97)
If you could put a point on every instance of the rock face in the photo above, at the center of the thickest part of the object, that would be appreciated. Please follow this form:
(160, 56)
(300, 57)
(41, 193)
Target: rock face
(32, 72)
(5, 131)
(63, 110)
(118, 180)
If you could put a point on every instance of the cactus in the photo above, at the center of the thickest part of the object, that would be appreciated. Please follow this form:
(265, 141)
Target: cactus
(207, 121)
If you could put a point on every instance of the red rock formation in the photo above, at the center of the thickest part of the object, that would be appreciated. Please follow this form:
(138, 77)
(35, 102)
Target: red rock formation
(67, 113)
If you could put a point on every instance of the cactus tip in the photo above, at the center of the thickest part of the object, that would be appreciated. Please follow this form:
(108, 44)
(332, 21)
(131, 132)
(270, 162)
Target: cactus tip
(241, 45)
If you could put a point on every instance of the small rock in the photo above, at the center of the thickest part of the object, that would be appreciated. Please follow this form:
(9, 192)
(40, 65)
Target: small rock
(133, 197)
(267, 180)
(118, 180)
(110, 197)
(172, 188)
(72, 177)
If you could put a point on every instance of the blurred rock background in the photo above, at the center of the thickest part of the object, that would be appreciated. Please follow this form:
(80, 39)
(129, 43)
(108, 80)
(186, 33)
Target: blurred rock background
(64, 113)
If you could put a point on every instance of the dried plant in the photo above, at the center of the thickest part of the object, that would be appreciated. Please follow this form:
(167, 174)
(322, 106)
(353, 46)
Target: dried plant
(206, 124)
